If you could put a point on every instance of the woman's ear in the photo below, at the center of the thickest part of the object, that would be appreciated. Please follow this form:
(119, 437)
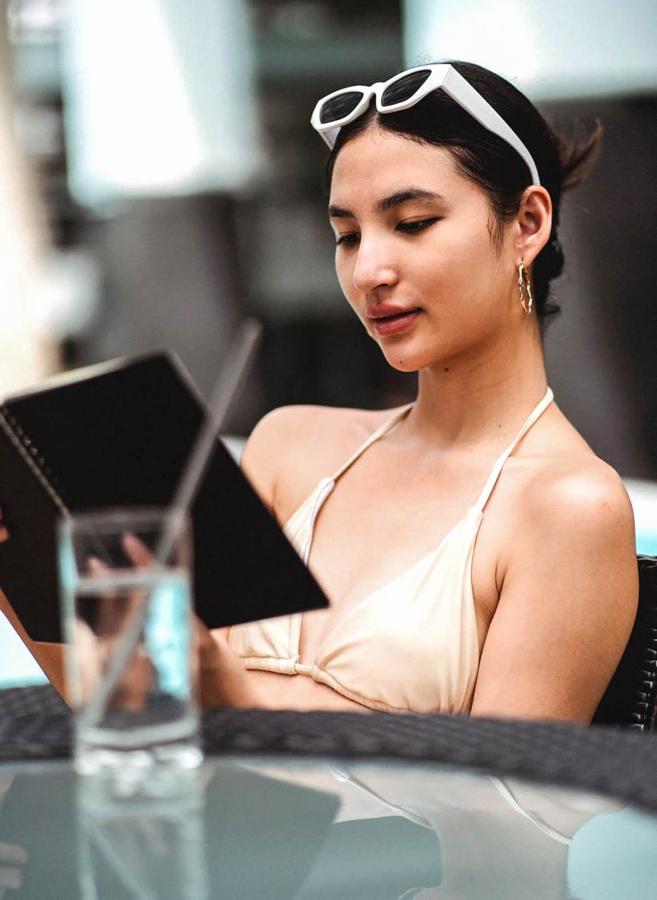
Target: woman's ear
(534, 223)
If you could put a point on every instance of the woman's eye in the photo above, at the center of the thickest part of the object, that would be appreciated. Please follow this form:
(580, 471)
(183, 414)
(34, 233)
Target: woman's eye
(347, 240)
(414, 227)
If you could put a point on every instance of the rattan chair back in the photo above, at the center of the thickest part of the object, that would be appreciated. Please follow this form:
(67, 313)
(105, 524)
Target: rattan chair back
(631, 698)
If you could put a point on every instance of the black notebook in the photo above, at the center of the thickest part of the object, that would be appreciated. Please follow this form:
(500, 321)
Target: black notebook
(119, 434)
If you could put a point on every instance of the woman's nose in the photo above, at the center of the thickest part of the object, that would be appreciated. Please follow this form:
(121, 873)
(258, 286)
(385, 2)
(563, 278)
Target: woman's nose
(374, 267)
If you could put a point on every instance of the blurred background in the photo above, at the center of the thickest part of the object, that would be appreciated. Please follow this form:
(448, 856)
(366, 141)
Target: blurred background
(159, 180)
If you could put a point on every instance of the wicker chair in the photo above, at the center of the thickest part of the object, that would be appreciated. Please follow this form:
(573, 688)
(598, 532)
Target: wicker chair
(631, 698)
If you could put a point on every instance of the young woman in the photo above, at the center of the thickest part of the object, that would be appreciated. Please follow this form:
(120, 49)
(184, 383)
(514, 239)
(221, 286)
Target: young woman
(478, 556)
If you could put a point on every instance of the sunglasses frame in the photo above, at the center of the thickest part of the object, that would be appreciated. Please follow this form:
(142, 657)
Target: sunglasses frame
(441, 77)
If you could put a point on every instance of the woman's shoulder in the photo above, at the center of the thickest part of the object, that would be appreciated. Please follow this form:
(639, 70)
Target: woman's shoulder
(571, 478)
(287, 422)
(561, 501)
(585, 490)
(293, 447)
(568, 498)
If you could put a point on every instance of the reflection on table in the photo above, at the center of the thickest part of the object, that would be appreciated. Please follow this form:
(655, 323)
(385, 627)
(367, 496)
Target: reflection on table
(273, 827)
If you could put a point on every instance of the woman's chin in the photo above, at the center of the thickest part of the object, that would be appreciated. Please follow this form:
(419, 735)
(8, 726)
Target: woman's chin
(403, 362)
(404, 356)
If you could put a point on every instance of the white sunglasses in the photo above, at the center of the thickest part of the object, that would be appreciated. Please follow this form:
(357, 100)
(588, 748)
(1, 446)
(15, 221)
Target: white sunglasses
(405, 90)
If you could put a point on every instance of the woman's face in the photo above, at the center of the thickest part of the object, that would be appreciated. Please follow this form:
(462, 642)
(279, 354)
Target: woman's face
(415, 256)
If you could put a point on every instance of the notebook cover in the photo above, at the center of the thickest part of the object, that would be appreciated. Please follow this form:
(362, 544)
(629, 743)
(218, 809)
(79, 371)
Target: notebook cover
(119, 435)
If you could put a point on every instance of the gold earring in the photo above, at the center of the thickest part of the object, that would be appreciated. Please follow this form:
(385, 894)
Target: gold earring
(525, 287)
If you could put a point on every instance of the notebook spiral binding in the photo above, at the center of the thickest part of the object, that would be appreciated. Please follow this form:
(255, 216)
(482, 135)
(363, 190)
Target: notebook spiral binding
(33, 458)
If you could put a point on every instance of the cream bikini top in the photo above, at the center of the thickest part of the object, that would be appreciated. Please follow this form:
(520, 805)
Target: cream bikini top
(411, 645)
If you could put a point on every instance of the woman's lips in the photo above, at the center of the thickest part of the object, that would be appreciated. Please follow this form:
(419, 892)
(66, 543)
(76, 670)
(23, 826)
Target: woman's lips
(396, 323)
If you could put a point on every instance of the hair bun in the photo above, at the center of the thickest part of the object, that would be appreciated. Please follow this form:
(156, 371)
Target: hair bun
(578, 156)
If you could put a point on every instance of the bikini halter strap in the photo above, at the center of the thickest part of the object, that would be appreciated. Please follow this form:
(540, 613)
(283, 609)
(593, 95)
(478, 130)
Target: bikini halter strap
(535, 414)
(383, 429)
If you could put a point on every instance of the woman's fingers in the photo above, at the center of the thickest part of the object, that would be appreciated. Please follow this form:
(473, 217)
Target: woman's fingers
(136, 551)
(115, 612)
(96, 568)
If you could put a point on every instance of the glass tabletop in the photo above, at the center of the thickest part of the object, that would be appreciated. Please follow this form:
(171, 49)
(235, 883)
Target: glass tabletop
(320, 828)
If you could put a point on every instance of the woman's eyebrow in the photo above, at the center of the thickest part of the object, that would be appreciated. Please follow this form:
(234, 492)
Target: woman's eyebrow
(411, 193)
(396, 199)
(337, 212)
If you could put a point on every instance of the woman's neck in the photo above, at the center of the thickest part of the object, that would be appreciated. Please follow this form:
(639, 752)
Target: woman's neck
(469, 400)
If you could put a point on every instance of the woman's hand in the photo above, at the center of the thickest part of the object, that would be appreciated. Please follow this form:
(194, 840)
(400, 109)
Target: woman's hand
(94, 651)
(222, 678)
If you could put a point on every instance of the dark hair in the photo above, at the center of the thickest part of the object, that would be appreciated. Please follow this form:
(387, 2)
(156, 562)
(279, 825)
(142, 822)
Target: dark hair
(490, 162)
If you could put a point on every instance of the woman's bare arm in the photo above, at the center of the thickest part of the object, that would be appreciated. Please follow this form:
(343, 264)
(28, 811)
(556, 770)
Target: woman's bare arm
(567, 604)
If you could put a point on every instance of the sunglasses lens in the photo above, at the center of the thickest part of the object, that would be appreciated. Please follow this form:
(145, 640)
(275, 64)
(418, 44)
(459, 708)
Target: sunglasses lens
(340, 106)
(404, 87)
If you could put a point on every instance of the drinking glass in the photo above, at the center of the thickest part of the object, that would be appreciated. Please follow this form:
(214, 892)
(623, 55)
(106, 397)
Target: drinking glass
(128, 625)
